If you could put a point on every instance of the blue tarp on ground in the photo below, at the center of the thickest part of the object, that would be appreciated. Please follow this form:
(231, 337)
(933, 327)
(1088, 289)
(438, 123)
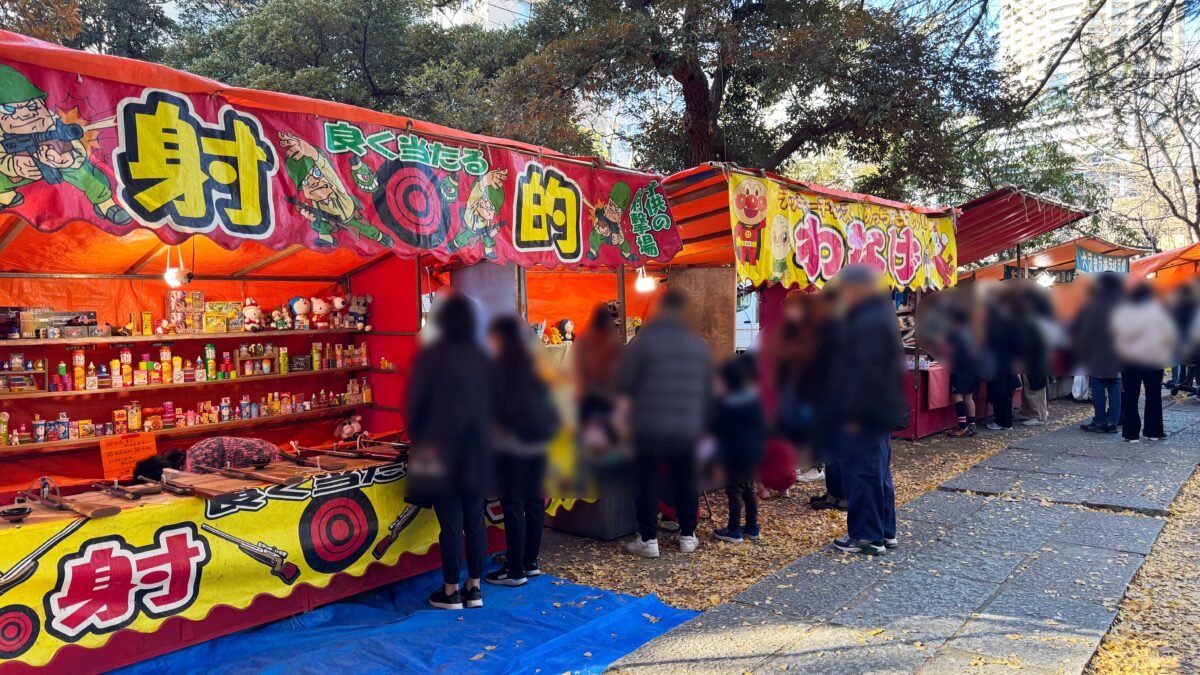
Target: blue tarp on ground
(548, 624)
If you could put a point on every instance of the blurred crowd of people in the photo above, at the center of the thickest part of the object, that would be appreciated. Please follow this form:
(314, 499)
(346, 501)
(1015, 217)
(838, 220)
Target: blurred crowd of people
(824, 392)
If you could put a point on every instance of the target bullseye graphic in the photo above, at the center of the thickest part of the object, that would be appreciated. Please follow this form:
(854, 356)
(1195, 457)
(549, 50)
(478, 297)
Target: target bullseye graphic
(410, 203)
(336, 530)
(18, 630)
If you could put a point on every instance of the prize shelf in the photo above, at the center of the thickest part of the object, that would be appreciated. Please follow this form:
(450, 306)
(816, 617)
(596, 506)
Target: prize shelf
(51, 447)
(174, 385)
(178, 337)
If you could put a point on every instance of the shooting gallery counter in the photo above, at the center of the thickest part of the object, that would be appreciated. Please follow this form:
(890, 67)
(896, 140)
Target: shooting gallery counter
(81, 594)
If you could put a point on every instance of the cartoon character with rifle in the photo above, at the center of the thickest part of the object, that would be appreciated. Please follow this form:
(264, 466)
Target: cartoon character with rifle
(35, 145)
(326, 203)
(481, 216)
(606, 227)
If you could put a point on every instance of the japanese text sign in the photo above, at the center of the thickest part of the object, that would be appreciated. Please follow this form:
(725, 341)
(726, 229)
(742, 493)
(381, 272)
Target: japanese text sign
(119, 454)
(1087, 261)
(123, 156)
(784, 235)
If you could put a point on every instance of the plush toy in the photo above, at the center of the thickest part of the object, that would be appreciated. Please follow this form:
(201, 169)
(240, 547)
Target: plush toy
(566, 328)
(358, 311)
(320, 313)
(554, 335)
(299, 307)
(349, 429)
(280, 319)
(338, 317)
(252, 316)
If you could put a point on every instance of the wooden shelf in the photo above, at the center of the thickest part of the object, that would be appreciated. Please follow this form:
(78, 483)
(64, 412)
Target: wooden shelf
(188, 337)
(22, 372)
(172, 385)
(51, 447)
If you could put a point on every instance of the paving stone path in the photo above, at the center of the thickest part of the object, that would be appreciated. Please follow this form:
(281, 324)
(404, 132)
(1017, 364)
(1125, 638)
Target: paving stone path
(1020, 561)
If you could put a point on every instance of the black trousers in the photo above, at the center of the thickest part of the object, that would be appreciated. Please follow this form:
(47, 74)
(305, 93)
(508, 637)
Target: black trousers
(833, 480)
(1133, 380)
(461, 518)
(999, 394)
(740, 494)
(520, 482)
(665, 463)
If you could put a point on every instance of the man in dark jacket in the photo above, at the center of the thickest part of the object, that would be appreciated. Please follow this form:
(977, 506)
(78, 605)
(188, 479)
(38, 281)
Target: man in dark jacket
(449, 414)
(1095, 351)
(664, 384)
(866, 403)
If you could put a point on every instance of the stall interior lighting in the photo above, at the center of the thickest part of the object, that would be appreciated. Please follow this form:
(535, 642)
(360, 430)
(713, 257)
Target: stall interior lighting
(645, 283)
(176, 276)
(1045, 280)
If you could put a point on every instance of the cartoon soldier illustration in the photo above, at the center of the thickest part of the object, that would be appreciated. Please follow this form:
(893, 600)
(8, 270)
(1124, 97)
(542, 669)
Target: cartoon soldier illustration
(481, 215)
(35, 145)
(327, 204)
(606, 223)
(750, 207)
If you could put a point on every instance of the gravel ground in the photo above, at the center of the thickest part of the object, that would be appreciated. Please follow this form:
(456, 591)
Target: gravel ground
(718, 571)
(1158, 626)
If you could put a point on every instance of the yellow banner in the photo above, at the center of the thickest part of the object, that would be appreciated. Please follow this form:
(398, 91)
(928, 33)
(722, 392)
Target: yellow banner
(783, 235)
(78, 581)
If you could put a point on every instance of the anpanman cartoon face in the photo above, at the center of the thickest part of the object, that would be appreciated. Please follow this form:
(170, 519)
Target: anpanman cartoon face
(750, 201)
(781, 237)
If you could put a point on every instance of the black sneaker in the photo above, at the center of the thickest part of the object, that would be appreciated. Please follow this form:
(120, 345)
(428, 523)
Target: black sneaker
(440, 600)
(501, 578)
(472, 597)
(1110, 429)
(1093, 427)
(533, 571)
(860, 546)
(891, 544)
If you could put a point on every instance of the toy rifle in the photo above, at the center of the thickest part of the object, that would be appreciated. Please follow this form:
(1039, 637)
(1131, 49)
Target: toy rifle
(52, 501)
(28, 144)
(253, 476)
(263, 553)
(314, 463)
(182, 489)
(25, 567)
(350, 452)
(127, 492)
(402, 521)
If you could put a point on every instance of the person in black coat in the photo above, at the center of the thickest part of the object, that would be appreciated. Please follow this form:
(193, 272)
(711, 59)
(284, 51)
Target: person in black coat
(740, 429)
(866, 402)
(449, 414)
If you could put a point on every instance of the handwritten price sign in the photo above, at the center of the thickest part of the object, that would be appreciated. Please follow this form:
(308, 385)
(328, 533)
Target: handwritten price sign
(119, 454)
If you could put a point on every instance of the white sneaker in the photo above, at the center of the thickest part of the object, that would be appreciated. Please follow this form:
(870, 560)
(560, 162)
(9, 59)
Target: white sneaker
(644, 549)
(814, 475)
(1033, 423)
(686, 544)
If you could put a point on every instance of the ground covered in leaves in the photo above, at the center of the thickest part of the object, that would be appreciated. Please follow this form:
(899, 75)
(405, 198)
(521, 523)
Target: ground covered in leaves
(717, 572)
(1158, 626)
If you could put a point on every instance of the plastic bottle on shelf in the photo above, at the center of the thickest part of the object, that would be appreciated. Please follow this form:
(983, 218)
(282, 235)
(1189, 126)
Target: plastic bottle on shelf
(283, 366)
(114, 372)
(135, 416)
(177, 375)
(91, 380)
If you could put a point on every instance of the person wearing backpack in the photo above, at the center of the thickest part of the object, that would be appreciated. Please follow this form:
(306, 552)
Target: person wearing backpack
(525, 421)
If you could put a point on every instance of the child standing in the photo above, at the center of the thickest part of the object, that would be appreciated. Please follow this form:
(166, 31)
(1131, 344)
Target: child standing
(740, 430)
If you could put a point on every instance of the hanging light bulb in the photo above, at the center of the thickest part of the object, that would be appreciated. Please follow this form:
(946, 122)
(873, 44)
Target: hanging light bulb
(645, 283)
(176, 276)
(1045, 280)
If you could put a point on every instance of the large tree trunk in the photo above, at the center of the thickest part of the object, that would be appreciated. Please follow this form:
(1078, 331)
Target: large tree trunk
(697, 113)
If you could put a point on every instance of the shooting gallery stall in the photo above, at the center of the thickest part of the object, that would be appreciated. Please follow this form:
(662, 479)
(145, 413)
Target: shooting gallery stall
(186, 262)
(781, 235)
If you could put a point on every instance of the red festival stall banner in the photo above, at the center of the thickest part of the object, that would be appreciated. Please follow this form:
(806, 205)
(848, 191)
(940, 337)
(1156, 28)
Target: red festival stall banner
(783, 234)
(122, 155)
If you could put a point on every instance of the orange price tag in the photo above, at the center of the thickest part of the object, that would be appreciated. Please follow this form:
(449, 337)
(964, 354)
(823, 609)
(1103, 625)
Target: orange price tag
(119, 454)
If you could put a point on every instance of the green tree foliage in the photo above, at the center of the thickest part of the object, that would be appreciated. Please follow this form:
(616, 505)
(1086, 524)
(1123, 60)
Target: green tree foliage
(137, 29)
(381, 54)
(761, 80)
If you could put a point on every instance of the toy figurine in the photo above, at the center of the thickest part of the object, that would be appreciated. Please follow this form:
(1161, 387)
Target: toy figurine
(320, 313)
(358, 311)
(280, 319)
(299, 307)
(338, 317)
(349, 428)
(252, 316)
(566, 328)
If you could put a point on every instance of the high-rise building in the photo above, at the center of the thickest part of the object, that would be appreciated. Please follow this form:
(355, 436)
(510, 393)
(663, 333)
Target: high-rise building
(484, 13)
